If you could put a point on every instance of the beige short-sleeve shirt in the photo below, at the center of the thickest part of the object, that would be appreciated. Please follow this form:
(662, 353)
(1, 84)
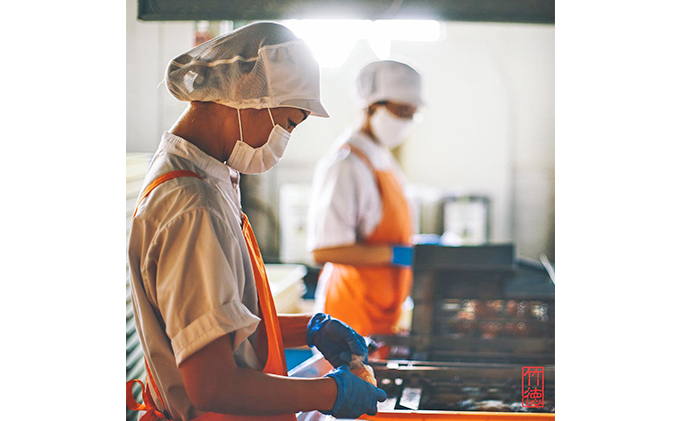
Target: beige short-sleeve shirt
(190, 272)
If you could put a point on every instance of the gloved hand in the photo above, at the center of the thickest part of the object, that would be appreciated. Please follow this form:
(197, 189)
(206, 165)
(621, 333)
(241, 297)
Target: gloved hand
(335, 339)
(355, 396)
(402, 255)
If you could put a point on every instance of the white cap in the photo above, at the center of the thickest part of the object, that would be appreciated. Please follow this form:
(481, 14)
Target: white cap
(389, 80)
(261, 65)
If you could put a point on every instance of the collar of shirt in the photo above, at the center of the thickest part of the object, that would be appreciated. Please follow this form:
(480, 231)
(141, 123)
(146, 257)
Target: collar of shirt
(223, 177)
(221, 172)
(378, 154)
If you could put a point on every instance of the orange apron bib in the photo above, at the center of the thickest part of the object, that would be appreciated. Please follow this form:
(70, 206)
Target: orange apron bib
(369, 298)
(270, 342)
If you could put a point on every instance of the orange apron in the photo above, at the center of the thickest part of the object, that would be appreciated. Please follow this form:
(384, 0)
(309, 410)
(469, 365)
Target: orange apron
(369, 298)
(270, 342)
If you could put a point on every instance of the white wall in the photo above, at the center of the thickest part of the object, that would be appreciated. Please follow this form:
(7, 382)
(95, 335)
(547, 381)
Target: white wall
(490, 124)
(488, 128)
(150, 108)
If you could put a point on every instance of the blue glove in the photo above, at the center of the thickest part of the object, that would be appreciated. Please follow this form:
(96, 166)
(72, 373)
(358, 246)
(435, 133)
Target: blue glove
(402, 255)
(355, 396)
(335, 339)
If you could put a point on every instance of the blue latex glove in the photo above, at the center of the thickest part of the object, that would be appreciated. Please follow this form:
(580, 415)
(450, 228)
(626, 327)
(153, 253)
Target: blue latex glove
(355, 396)
(402, 255)
(335, 339)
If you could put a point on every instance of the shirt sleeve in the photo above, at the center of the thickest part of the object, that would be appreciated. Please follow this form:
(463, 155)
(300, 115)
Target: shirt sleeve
(200, 277)
(345, 204)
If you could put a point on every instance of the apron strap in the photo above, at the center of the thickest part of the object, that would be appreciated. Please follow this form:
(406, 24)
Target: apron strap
(361, 155)
(153, 383)
(275, 359)
(162, 179)
(152, 411)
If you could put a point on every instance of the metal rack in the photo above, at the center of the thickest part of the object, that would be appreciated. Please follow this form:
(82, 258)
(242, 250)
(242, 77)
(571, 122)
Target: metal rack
(480, 314)
(477, 303)
(438, 371)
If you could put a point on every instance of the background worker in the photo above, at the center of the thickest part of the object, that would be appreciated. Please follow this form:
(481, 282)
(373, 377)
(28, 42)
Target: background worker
(360, 221)
(204, 312)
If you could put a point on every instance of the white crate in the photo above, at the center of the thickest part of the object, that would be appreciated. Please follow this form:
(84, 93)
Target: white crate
(287, 286)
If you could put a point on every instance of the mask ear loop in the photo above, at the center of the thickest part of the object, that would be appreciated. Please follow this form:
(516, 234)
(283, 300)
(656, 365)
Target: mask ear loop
(270, 116)
(240, 131)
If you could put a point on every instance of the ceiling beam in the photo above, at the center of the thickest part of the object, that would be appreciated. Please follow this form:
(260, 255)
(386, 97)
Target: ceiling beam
(516, 11)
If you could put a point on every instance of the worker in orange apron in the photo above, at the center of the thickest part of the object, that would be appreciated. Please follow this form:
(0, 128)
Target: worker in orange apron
(212, 340)
(360, 220)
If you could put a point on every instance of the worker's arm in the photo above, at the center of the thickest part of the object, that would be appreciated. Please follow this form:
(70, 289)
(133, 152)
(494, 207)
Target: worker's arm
(355, 254)
(214, 383)
(366, 255)
(294, 329)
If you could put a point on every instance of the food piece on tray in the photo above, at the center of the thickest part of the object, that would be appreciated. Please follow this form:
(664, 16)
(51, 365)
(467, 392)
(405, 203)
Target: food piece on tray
(361, 370)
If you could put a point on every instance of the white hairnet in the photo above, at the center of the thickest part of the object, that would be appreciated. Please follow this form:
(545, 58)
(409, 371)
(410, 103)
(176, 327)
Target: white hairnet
(261, 65)
(389, 80)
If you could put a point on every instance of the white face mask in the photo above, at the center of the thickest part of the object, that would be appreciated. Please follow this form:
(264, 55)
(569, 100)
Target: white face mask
(248, 160)
(390, 131)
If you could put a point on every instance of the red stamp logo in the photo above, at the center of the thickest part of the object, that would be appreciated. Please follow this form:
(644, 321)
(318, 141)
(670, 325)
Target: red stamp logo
(532, 387)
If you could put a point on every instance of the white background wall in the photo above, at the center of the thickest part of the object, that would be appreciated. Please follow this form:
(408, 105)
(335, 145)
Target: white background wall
(149, 47)
(488, 128)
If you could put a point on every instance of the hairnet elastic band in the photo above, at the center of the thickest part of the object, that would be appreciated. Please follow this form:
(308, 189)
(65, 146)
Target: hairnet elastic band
(214, 63)
(234, 59)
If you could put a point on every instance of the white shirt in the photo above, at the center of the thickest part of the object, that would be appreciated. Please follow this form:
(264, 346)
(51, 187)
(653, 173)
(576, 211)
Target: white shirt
(346, 206)
(191, 275)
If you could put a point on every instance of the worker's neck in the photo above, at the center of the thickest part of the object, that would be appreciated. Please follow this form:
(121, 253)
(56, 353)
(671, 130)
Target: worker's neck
(208, 126)
(366, 129)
